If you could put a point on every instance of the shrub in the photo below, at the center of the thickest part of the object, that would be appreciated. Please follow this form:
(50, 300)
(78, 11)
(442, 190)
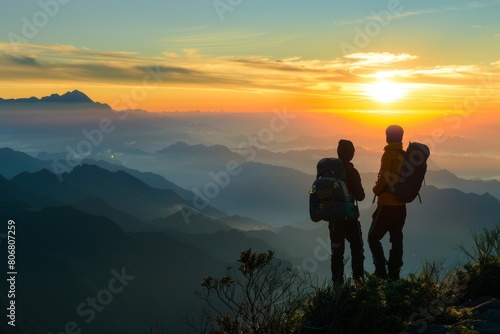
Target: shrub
(481, 275)
(261, 296)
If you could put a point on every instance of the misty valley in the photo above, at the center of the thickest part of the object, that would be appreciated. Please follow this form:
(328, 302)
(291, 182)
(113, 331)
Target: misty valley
(120, 215)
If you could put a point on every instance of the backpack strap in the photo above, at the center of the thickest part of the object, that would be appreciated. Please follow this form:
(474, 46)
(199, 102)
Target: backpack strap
(400, 151)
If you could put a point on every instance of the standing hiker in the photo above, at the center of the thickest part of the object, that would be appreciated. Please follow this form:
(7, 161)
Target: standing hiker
(349, 230)
(390, 214)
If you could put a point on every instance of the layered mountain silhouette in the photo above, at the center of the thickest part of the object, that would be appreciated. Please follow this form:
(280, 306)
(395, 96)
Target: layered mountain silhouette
(121, 190)
(131, 205)
(445, 179)
(266, 193)
(75, 98)
(79, 226)
(15, 162)
(67, 256)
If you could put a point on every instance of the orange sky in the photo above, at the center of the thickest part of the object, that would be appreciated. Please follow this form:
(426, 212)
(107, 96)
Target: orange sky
(365, 82)
(403, 57)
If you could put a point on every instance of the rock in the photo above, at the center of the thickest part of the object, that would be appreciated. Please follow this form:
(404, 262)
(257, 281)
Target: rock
(431, 329)
(486, 318)
(485, 327)
(486, 312)
(491, 315)
(477, 301)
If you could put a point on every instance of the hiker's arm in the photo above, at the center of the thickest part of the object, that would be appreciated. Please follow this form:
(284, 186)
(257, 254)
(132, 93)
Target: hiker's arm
(385, 168)
(355, 185)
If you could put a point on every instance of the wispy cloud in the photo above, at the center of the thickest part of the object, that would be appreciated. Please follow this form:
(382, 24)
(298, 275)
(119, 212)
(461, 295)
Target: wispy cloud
(22, 60)
(59, 63)
(379, 58)
(224, 41)
(418, 12)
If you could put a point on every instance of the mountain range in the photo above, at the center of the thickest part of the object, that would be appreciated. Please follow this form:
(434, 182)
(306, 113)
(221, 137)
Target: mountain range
(299, 141)
(268, 194)
(75, 98)
(67, 257)
(168, 198)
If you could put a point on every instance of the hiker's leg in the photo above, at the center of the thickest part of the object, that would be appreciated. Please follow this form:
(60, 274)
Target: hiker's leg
(354, 236)
(337, 236)
(377, 231)
(396, 238)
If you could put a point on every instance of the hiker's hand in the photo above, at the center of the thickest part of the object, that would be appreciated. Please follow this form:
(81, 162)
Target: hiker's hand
(377, 190)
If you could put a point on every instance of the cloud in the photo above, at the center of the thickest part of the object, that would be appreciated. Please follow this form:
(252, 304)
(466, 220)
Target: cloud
(229, 41)
(21, 60)
(417, 12)
(380, 58)
(53, 64)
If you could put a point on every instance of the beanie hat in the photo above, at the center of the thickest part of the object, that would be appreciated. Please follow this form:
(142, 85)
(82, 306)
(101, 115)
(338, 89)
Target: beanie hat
(345, 150)
(394, 133)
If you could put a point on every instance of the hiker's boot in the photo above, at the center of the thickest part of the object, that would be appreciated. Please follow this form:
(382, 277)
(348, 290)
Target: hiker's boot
(394, 273)
(381, 271)
(394, 264)
(358, 279)
(338, 281)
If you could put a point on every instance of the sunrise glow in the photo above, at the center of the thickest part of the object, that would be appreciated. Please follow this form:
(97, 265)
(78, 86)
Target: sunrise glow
(385, 91)
(212, 61)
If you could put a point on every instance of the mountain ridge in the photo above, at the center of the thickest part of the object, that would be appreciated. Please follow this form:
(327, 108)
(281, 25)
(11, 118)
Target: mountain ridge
(74, 96)
(74, 99)
(78, 254)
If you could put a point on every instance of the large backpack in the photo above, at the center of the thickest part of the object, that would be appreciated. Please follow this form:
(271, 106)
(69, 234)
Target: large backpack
(329, 198)
(411, 174)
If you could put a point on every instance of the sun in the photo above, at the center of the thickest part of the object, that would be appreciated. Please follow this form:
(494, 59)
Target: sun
(385, 91)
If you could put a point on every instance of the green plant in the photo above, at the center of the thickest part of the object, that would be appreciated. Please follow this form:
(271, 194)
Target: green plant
(380, 306)
(261, 296)
(481, 275)
(377, 306)
(460, 329)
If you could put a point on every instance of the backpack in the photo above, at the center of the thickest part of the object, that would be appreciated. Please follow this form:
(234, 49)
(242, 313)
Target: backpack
(329, 198)
(412, 173)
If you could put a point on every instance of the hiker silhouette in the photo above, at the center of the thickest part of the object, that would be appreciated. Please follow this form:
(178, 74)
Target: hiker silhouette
(390, 214)
(347, 230)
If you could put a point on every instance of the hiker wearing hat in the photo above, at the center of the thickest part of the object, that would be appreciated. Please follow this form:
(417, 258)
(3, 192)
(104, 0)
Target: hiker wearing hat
(390, 214)
(348, 230)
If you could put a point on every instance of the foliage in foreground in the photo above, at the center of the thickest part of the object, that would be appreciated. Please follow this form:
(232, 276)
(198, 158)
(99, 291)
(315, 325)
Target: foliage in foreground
(260, 296)
(481, 275)
(381, 306)
(263, 296)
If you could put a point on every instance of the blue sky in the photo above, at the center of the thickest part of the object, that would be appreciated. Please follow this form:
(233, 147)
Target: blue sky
(271, 28)
(98, 46)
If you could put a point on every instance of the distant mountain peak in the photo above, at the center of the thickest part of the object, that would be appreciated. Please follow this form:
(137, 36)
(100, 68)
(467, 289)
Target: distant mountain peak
(69, 97)
(72, 100)
(183, 147)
